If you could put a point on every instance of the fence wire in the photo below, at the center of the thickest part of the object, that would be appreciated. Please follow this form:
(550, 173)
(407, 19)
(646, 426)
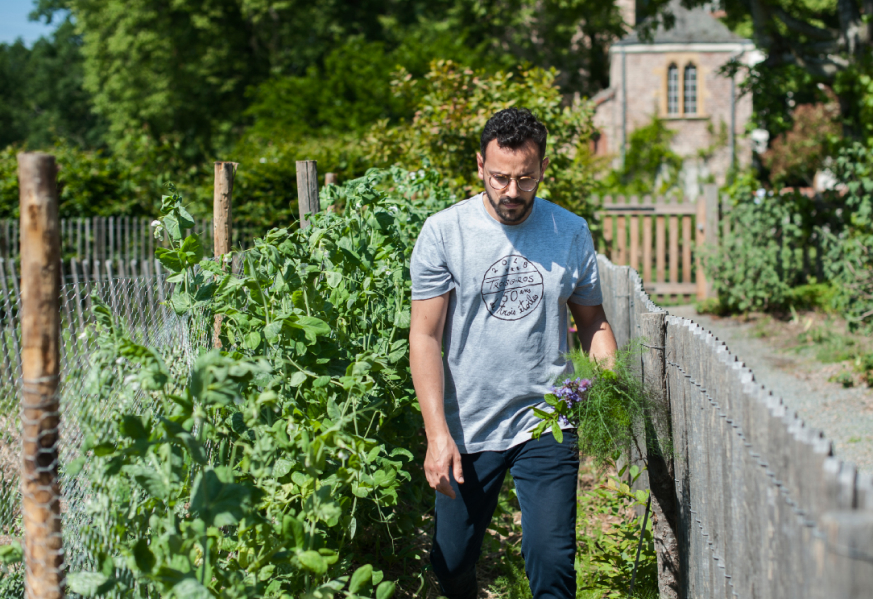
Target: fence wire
(60, 428)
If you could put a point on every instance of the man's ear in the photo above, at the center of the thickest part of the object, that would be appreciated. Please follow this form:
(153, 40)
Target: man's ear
(545, 164)
(480, 163)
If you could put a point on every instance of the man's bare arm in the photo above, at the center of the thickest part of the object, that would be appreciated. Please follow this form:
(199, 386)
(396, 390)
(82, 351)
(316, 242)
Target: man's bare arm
(426, 363)
(594, 331)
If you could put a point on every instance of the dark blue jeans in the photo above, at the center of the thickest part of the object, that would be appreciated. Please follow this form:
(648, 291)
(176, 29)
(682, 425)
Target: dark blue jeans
(545, 474)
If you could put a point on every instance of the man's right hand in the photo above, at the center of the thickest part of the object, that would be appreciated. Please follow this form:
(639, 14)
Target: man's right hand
(442, 458)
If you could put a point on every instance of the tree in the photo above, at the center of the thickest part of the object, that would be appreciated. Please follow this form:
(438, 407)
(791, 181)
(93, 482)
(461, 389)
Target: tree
(453, 106)
(41, 92)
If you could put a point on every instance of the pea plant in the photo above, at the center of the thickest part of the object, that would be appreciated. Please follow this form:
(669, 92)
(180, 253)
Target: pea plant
(275, 462)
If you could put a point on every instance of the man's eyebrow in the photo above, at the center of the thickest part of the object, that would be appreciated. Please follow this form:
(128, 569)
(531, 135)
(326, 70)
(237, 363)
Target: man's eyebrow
(524, 174)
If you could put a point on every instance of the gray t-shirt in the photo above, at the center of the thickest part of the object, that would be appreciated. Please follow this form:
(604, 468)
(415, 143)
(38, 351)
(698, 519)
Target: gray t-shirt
(505, 339)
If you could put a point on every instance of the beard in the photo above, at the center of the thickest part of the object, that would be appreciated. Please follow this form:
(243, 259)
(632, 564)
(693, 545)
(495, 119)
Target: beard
(510, 215)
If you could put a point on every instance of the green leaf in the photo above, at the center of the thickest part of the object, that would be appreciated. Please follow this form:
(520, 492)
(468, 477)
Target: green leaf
(272, 331)
(293, 528)
(193, 249)
(312, 560)
(186, 221)
(281, 468)
(181, 301)
(333, 278)
(190, 588)
(402, 320)
(143, 556)
(170, 259)
(557, 432)
(252, 340)
(310, 325)
(217, 502)
(360, 578)
(298, 378)
(385, 590)
(149, 479)
(132, 427)
(171, 224)
(11, 554)
(89, 584)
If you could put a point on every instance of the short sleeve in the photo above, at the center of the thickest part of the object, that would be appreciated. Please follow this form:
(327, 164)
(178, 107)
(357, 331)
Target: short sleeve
(587, 291)
(428, 268)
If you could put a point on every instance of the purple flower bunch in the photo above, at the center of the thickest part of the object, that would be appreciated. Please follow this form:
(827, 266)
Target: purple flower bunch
(572, 392)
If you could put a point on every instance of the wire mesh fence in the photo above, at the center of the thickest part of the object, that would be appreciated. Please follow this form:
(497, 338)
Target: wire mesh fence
(67, 416)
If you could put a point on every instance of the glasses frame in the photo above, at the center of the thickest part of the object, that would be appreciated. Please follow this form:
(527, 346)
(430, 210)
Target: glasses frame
(517, 180)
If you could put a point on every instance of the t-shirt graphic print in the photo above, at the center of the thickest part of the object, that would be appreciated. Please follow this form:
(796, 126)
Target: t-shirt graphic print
(505, 336)
(512, 288)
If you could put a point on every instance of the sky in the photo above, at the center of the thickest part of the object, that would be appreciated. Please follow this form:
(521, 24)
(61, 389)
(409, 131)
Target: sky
(14, 22)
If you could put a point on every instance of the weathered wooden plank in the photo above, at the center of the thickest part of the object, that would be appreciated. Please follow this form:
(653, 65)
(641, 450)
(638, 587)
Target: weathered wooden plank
(686, 250)
(634, 226)
(621, 235)
(849, 559)
(647, 243)
(660, 208)
(674, 249)
(607, 225)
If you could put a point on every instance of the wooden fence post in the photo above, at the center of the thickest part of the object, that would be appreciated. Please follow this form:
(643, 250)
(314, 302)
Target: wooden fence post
(330, 179)
(707, 234)
(307, 190)
(659, 460)
(848, 562)
(222, 223)
(40, 409)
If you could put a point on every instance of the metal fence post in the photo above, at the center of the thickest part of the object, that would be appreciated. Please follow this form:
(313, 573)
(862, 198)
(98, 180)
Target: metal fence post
(40, 410)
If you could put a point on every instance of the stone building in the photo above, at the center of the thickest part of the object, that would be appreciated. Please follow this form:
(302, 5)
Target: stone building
(675, 76)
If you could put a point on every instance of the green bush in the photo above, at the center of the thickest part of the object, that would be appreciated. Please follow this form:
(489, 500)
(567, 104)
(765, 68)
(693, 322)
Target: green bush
(276, 467)
(849, 264)
(650, 165)
(454, 104)
(761, 260)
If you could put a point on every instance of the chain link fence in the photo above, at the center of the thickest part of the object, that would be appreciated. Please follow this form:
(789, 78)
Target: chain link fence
(136, 303)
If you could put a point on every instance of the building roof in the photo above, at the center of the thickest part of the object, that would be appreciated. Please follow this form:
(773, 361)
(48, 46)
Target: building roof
(694, 25)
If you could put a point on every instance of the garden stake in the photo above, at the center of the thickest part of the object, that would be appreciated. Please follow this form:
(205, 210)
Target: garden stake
(640, 544)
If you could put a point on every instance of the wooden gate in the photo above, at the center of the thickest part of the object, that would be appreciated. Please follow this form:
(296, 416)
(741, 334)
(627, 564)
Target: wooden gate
(646, 235)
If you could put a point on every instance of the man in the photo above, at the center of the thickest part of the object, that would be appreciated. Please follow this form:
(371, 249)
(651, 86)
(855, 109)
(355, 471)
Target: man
(492, 278)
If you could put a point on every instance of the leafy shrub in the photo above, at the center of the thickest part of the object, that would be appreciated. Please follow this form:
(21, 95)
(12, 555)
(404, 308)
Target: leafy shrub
(762, 258)
(453, 106)
(95, 183)
(650, 165)
(796, 155)
(812, 296)
(849, 264)
(269, 468)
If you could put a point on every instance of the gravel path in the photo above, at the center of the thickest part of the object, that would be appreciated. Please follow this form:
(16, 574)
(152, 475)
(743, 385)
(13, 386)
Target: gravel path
(845, 415)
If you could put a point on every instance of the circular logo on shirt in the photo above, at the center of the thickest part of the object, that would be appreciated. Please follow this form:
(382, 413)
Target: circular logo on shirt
(512, 287)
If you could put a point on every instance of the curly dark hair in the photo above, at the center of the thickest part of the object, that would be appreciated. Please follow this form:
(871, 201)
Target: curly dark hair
(512, 128)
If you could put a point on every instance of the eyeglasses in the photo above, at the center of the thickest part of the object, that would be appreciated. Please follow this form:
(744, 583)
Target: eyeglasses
(501, 182)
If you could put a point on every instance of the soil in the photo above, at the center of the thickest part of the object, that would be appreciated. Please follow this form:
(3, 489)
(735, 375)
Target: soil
(798, 357)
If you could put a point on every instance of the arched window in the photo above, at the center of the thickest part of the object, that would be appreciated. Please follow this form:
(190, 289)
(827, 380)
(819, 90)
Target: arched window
(672, 89)
(689, 105)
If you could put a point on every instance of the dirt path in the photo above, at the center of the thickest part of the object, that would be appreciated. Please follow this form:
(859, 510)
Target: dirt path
(844, 414)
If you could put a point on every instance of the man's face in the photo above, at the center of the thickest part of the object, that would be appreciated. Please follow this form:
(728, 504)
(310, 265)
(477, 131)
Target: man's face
(511, 205)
